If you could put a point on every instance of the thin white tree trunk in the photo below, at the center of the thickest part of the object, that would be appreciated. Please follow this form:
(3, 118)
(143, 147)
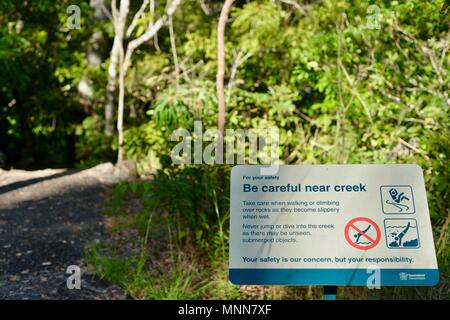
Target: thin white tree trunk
(119, 21)
(120, 18)
(121, 107)
(174, 51)
(125, 57)
(94, 57)
(111, 86)
(155, 38)
(220, 76)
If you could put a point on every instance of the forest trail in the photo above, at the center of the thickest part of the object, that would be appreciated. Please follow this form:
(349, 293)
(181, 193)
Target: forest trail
(46, 219)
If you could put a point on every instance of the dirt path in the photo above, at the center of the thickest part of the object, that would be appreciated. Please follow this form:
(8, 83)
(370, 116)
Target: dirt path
(46, 219)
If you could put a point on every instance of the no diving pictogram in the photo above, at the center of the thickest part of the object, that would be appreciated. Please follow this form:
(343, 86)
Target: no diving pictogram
(362, 233)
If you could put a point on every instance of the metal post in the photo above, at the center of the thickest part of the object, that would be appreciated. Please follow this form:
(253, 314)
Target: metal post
(329, 292)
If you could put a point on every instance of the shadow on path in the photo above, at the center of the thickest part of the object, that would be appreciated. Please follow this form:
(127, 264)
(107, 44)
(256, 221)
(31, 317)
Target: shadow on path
(27, 182)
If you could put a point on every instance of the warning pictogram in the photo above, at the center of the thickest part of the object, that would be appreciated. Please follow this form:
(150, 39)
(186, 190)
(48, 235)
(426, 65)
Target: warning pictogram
(362, 233)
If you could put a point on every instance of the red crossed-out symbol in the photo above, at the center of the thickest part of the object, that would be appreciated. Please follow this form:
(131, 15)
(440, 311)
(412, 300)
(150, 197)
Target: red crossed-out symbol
(371, 242)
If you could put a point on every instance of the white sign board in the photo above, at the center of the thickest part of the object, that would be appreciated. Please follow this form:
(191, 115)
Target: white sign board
(331, 225)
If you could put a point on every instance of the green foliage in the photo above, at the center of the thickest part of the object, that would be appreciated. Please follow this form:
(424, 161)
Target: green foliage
(93, 146)
(38, 88)
(185, 196)
(258, 24)
(113, 268)
(145, 145)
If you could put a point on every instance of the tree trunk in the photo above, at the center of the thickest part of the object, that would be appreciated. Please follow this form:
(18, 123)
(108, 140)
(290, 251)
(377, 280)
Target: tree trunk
(96, 53)
(119, 17)
(220, 76)
(120, 32)
(174, 51)
(111, 85)
(119, 58)
(121, 107)
(96, 56)
(125, 60)
(221, 97)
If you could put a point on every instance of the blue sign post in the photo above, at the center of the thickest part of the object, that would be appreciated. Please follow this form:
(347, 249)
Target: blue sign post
(329, 293)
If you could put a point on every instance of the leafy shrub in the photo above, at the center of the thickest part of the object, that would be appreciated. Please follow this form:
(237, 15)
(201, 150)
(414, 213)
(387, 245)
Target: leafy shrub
(93, 146)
